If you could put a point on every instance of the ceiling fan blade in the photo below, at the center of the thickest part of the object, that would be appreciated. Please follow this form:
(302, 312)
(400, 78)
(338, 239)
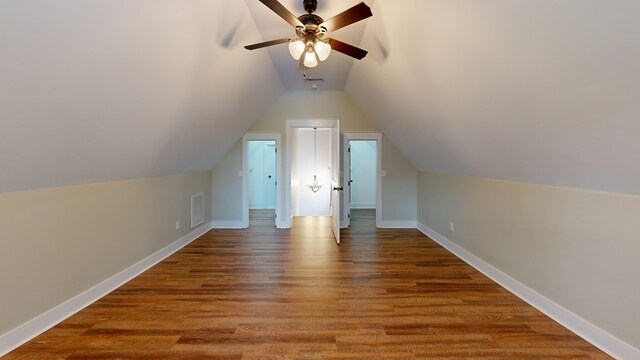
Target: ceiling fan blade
(347, 49)
(348, 17)
(282, 11)
(267, 43)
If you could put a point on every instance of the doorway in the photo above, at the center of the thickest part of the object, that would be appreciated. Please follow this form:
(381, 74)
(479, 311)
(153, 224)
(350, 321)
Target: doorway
(260, 175)
(311, 162)
(363, 177)
(262, 182)
(312, 133)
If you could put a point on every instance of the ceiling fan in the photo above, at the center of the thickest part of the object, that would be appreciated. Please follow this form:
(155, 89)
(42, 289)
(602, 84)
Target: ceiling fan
(311, 30)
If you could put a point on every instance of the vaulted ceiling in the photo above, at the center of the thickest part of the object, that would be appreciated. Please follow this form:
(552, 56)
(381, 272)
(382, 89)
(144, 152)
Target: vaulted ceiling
(113, 89)
(540, 91)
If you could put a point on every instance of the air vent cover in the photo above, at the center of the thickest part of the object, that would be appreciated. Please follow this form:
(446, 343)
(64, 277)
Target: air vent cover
(197, 209)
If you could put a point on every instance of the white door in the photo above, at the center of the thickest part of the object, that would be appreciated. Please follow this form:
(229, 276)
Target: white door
(270, 174)
(336, 188)
(346, 180)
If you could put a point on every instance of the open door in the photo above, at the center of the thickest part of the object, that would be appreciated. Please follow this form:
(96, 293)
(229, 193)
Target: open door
(336, 187)
(346, 199)
(270, 177)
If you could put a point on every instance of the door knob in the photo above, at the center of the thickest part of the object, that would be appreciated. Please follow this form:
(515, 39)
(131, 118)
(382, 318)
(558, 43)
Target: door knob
(338, 188)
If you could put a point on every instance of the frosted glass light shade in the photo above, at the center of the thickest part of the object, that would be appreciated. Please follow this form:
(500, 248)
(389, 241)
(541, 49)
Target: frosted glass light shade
(296, 48)
(323, 50)
(310, 59)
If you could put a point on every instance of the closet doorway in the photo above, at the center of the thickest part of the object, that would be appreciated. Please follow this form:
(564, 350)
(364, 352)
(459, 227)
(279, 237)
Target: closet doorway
(261, 173)
(363, 179)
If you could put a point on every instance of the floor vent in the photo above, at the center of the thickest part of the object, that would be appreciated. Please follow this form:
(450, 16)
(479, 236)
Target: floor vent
(197, 209)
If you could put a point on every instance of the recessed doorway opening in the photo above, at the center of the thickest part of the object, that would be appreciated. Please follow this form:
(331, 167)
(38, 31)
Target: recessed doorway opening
(262, 182)
(320, 140)
(260, 176)
(311, 161)
(363, 179)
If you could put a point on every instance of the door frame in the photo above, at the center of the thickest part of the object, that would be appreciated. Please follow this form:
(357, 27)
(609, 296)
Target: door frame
(260, 136)
(368, 136)
(291, 124)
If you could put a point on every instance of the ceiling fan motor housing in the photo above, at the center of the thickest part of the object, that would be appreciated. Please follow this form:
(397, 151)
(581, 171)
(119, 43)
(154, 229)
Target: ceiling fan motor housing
(310, 5)
(310, 19)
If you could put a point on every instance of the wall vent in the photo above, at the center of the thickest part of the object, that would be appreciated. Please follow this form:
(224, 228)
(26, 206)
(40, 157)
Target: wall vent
(197, 209)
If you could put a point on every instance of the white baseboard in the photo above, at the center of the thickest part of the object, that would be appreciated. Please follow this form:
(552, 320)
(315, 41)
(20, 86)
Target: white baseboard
(363, 206)
(283, 224)
(227, 225)
(389, 224)
(34, 327)
(581, 327)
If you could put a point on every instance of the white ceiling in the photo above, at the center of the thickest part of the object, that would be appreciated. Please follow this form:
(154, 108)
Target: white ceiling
(539, 91)
(335, 70)
(114, 89)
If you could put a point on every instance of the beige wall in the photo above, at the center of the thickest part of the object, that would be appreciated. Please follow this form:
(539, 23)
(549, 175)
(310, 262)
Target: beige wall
(227, 187)
(399, 185)
(578, 248)
(314, 105)
(59, 242)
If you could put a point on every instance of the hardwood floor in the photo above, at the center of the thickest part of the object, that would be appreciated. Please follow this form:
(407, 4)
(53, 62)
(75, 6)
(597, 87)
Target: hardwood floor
(266, 293)
(262, 217)
(363, 218)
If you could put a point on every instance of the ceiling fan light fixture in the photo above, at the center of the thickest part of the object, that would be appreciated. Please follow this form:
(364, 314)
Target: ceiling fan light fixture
(310, 58)
(323, 50)
(297, 48)
(311, 29)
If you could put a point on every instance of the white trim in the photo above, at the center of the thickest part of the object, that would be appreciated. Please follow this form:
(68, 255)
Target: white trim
(227, 225)
(377, 137)
(266, 136)
(363, 206)
(398, 224)
(283, 224)
(14, 338)
(581, 327)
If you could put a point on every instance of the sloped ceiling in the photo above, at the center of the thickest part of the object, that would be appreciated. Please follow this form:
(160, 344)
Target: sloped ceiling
(538, 91)
(113, 89)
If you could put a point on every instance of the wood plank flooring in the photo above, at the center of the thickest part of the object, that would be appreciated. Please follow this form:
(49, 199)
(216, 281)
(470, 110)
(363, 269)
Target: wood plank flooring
(266, 293)
(262, 217)
(363, 218)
